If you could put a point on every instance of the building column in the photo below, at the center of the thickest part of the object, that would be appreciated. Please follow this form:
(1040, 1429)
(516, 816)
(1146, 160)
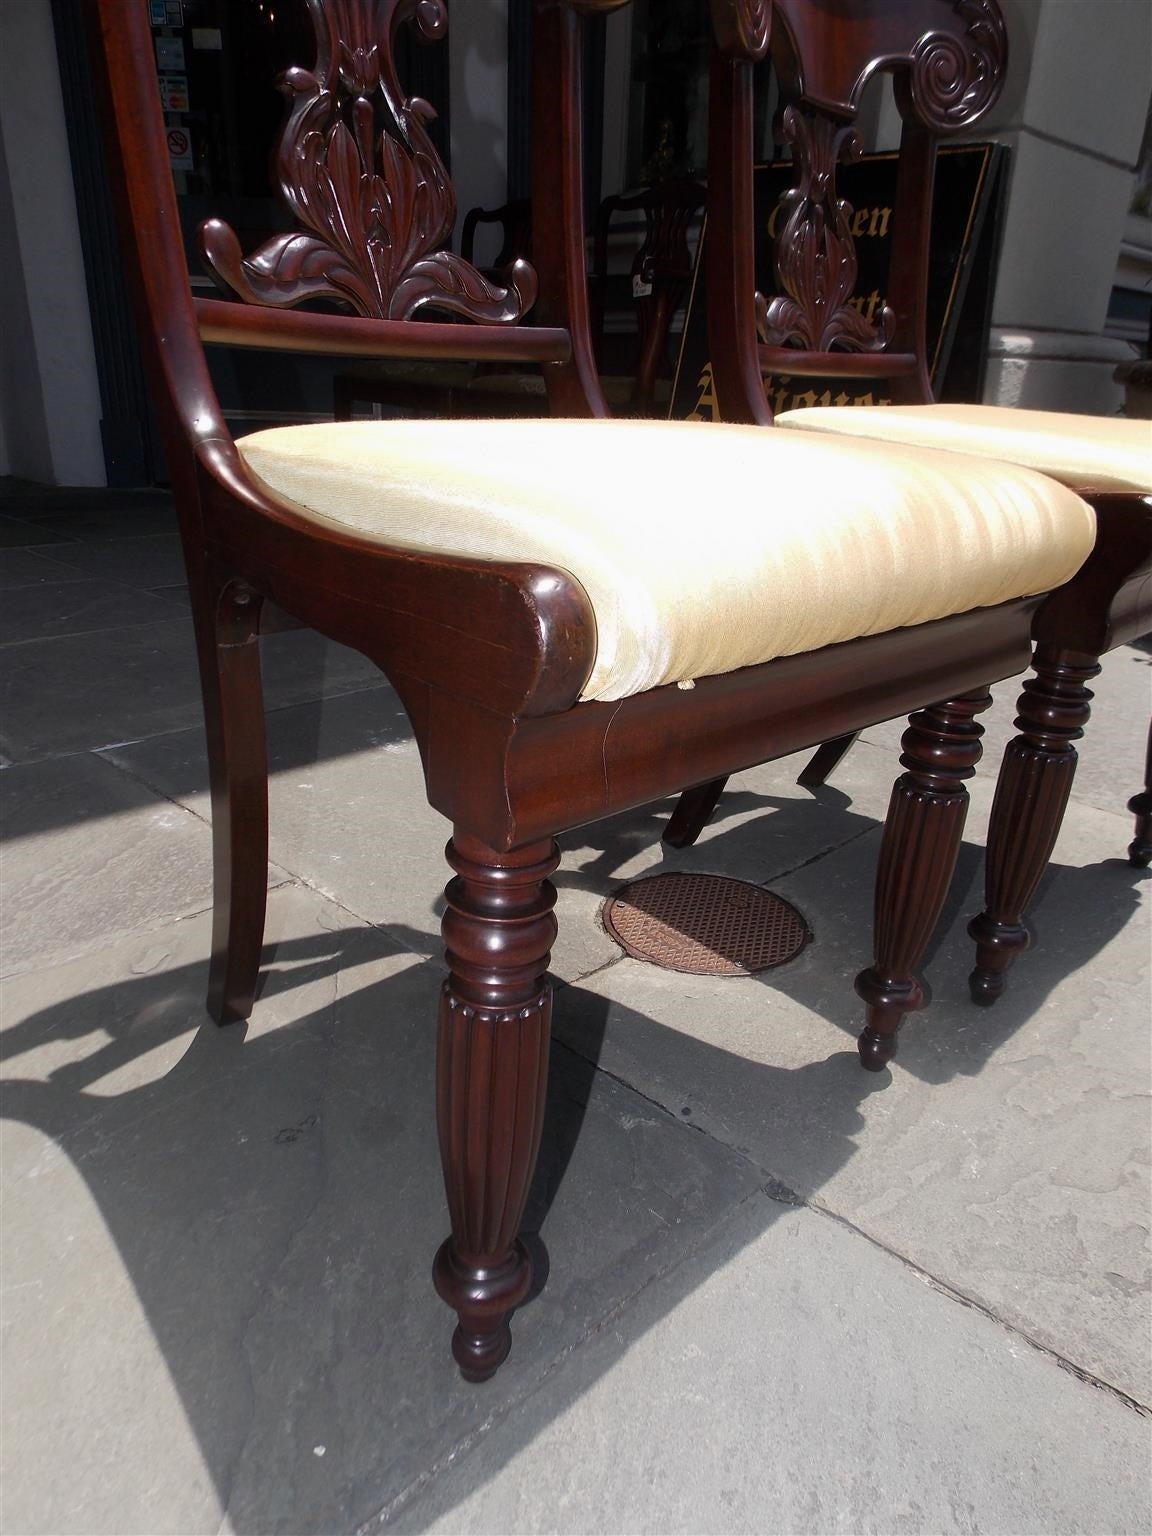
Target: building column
(1073, 112)
(49, 393)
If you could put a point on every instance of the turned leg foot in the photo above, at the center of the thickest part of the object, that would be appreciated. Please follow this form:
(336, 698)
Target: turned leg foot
(922, 835)
(229, 649)
(1140, 848)
(1031, 795)
(693, 813)
(492, 1073)
(825, 760)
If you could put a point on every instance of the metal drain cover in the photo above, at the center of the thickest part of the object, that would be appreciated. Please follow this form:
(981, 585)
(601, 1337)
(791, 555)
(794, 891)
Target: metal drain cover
(706, 925)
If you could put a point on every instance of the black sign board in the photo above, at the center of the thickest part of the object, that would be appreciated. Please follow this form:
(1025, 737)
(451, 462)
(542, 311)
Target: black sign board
(969, 191)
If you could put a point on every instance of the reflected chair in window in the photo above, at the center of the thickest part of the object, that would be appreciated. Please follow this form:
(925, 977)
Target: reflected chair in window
(442, 387)
(660, 273)
(947, 59)
(536, 591)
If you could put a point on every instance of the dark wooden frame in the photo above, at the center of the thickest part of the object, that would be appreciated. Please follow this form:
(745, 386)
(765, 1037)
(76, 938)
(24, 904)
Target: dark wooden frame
(948, 58)
(489, 659)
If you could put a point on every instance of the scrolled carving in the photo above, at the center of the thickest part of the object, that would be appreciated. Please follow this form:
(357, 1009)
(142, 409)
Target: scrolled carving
(954, 80)
(742, 26)
(357, 169)
(815, 254)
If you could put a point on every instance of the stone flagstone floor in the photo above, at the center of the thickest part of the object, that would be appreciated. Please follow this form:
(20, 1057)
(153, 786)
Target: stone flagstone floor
(781, 1295)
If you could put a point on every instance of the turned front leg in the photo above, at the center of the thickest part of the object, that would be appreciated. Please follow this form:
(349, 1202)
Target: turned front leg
(922, 835)
(1031, 795)
(492, 1073)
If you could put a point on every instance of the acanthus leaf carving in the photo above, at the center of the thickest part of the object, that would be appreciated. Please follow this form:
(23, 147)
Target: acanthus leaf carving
(359, 173)
(954, 80)
(816, 263)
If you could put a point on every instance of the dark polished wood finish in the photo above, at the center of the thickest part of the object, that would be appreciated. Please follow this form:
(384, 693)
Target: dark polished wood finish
(1108, 602)
(370, 197)
(492, 1075)
(947, 58)
(918, 856)
(1035, 782)
(489, 658)
(238, 781)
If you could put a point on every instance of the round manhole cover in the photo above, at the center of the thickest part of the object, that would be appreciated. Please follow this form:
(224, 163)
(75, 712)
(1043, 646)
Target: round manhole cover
(707, 925)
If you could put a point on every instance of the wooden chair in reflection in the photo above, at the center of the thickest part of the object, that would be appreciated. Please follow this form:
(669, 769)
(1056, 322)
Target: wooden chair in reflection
(661, 269)
(660, 272)
(537, 591)
(947, 58)
(443, 387)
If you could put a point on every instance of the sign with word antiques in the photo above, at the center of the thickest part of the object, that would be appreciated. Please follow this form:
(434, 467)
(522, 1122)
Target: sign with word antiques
(970, 184)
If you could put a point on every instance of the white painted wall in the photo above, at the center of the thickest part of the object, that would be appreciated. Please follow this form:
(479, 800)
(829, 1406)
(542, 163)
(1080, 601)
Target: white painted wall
(1074, 114)
(49, 395)
(1072, 111)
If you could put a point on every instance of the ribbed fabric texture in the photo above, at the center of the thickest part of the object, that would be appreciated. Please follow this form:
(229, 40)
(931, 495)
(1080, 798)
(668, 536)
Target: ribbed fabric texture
(702, 548)
(1088, 453)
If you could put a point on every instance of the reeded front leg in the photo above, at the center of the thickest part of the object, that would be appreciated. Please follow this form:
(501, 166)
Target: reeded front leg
(1031, 795)
(1140, 848)
(492, 1073)
(229, 648)
(917, 858)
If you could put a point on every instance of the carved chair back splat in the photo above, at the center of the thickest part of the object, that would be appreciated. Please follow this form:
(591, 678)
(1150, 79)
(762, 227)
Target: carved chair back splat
(947, 59)
(491, 654)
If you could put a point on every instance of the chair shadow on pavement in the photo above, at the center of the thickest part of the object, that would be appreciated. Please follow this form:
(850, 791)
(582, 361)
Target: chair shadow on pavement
(275, 1202)
(273, 1193)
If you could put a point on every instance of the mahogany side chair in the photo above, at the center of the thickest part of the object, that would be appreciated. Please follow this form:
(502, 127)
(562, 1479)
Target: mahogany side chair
(536, 591)
(947, 58)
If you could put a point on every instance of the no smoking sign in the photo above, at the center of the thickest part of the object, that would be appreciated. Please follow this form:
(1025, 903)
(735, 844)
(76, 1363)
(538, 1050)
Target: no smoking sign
(180, 149)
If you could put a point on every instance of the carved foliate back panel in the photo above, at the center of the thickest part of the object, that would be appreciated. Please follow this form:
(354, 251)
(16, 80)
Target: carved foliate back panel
(362, 180)
(948, 59)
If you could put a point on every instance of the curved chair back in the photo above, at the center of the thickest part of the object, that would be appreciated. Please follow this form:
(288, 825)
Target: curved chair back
(947, 59)
(373, 210)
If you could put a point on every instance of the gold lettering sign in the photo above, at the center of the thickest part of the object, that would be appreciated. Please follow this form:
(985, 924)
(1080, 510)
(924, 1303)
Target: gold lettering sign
(706, 408)
(784, 398)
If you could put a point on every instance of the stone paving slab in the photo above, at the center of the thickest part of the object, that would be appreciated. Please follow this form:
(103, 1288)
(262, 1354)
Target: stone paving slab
(792, 1378)
(74, 608)
(147, 560)
(31, 567)
(126, 684)
(1007, 1150)
(122, 519)
(16, 534)
(348, 814)
(220, 1304)
(90, 853)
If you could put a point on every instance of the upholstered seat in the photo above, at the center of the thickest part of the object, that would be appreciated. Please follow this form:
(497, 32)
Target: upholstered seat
(809, 543)
(1090, 453)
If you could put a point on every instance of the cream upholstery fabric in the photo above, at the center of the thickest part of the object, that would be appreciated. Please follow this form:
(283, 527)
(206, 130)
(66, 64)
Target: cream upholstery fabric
(702, 548)
(1089, 453)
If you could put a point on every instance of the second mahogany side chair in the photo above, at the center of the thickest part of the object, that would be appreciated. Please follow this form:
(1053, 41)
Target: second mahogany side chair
(945, 76)
(536, 591)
